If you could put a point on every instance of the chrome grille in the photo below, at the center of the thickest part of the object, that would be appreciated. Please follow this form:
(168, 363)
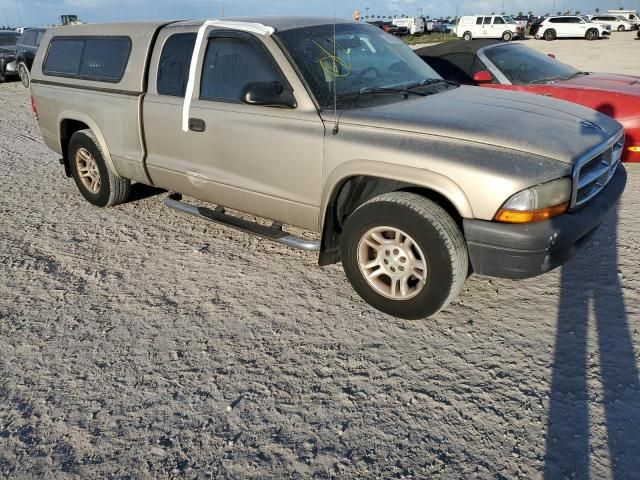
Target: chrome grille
(594, 172)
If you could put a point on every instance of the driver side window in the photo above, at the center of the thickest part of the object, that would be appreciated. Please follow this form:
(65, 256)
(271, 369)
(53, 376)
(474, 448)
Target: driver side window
(230, 64)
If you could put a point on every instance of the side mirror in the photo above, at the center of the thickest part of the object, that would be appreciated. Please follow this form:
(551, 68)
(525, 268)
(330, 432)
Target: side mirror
(483, 76)
(268, 94)
(551, 55)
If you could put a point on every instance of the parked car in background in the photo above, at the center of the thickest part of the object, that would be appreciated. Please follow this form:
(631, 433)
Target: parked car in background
(396, 30)
(448, 27)
(26, 49)
(631, 15)
(535, 26)
(519, 68)
(414, 25)
(412, 187)
(571, 26)
(434, 26)
(616, 22)
(8, 40)
(489, 26)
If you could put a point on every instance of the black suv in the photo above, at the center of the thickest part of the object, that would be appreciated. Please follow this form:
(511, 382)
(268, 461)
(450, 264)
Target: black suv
(26, 50)
(8, 39)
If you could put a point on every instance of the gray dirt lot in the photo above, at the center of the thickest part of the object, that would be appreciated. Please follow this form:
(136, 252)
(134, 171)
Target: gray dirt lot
(135, 343)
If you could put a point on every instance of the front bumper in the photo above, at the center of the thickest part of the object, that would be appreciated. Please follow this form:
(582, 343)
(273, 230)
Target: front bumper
(528, 250)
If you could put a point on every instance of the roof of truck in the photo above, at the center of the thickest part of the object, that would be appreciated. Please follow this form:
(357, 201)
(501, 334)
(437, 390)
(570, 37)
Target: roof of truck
(277, 22)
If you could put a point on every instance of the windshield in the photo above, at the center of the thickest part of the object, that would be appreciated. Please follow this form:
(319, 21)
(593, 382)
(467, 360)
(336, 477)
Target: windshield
(509, 19)
(523, 66)
(365, 58)
(8, 39)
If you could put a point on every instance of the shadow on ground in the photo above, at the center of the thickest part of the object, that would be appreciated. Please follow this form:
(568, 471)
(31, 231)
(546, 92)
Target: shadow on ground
(591, 283)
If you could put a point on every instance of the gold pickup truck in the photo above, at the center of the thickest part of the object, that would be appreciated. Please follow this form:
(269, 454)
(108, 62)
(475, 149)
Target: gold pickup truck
(411, 181)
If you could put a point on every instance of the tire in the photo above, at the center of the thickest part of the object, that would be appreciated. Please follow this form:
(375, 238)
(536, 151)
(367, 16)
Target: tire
(103, 188)
(467, 36)
(550, 35)
(592, 35)
(23, 72)
(621, 28)
(507, 36)
(425, 227)
(3, 78)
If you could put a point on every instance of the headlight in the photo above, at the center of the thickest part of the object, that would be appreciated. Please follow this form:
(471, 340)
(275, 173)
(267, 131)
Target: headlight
(537, 203)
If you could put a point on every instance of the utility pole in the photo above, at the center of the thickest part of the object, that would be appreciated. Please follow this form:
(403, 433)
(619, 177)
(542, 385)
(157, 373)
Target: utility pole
(222, 7)
(19, 16)
(6, 17)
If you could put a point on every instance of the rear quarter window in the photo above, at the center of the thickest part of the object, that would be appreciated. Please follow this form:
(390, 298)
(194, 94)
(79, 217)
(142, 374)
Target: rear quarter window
(175, 61)
(101, 59)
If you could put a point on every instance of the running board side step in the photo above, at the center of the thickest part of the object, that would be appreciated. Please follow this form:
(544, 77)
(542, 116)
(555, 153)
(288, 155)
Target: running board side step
(219, 215)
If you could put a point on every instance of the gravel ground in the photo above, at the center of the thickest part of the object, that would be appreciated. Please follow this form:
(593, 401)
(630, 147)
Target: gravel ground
(136, 343)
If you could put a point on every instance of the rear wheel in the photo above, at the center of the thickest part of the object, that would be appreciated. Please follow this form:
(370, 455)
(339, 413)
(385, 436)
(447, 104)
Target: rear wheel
(467, 36)
(97, 183)
(507, 36)
(23, 72)
(3, 79)
(404, 255)
(550, 35)
(592, 34)
(621, 28)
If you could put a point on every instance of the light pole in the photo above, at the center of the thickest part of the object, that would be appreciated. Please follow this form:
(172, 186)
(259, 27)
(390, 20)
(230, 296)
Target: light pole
(222, 7)
(18, 10)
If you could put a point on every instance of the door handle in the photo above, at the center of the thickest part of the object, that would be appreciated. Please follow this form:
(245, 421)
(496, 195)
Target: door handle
(197, 125)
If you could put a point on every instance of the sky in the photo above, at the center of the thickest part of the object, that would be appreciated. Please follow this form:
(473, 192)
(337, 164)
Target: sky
(46, 12)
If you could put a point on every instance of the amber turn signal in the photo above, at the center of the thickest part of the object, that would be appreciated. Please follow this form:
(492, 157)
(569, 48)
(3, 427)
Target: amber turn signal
(515, 216)
(634, 149)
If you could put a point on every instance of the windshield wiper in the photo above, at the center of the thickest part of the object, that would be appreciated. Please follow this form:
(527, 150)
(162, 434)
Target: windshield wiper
(404, 90)
(557, 78)
(576, 75)
(547, 80)
(430, 81)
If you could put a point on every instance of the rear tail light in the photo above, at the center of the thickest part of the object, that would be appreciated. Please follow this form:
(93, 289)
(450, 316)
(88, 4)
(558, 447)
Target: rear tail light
(34, 107)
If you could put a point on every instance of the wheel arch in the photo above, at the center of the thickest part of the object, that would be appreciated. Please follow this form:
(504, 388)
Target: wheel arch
(70, 122)
(348, 191)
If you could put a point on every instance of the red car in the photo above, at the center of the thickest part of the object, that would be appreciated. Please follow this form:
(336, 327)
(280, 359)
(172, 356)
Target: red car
(512, 66)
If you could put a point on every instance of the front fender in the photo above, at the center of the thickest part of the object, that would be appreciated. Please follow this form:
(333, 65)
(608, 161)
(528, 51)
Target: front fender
(418, 177)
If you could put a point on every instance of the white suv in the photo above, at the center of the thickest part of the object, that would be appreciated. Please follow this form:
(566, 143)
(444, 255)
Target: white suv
(571, 26)
(616, 22)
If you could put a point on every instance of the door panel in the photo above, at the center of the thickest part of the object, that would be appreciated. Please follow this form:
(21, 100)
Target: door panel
(263, 160)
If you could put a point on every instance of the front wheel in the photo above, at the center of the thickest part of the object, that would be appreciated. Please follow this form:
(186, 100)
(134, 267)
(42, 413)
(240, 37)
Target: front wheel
(592, 35)
(97, 183)
(507, 36)
(467, 36)
(404, 255)
(23, 72)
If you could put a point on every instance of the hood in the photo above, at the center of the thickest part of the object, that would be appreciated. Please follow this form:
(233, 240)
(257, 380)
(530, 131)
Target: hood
(527, 123)
(606, 82)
